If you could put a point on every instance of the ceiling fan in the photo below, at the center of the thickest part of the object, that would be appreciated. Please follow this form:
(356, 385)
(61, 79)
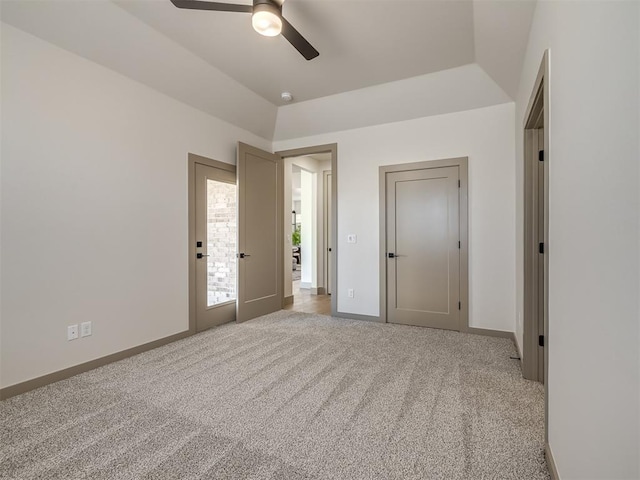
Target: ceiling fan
(266, 18)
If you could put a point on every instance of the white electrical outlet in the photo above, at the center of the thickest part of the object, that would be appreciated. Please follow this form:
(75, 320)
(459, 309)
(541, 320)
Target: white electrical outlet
(85, 329)
(352, 238)
(72, 332)
(350, 293)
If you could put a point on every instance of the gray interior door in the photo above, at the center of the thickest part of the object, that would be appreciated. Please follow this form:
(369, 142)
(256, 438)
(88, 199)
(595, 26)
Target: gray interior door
(215, 234)
(423, 255)
(260, 227)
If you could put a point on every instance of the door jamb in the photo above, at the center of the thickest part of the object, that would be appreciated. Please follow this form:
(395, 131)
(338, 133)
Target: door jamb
(192, 159)
(463, 164)
(530, 327)
(537, 102)
(326, 240)
(331, 148)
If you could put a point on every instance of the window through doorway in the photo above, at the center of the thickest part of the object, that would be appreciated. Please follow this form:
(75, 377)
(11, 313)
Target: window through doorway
(222, 232)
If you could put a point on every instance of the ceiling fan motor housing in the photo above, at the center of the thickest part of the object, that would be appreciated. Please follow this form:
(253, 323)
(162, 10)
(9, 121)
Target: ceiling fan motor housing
(267, 6)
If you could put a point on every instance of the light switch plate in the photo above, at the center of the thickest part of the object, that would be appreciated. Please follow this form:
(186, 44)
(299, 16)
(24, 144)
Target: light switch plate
(85, 329)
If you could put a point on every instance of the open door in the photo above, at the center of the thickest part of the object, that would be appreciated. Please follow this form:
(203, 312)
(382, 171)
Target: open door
(260, 226)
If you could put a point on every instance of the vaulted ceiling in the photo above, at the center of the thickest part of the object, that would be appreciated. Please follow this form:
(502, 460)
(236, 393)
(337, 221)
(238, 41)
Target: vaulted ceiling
(214, 61)
(360, 43)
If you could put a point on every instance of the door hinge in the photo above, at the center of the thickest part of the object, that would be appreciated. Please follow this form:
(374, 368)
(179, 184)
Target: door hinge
(541, 155)
(541, 340)
(458, 183)
(458, 243)
(459, 305)
(541, 248)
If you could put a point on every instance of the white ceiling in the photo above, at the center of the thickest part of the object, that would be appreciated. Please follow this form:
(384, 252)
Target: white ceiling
(454, 90)
(215, 62)
(361, 43)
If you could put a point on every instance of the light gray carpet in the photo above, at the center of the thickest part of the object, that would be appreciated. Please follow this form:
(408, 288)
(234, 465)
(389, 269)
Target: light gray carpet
(287, 396)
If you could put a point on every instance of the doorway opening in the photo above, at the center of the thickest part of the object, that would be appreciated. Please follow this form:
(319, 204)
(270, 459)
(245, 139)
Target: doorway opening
(308, 260)
(309, 255)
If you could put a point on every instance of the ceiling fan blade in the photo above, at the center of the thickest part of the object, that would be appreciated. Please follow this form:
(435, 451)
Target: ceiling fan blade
(219, 6)
(298, 41)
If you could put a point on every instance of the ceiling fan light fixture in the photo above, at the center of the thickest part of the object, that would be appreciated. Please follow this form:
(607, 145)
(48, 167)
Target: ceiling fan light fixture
(266, 20)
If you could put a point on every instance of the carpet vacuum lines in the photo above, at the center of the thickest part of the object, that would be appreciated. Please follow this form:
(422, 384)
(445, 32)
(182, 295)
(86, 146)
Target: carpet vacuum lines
(287, 396)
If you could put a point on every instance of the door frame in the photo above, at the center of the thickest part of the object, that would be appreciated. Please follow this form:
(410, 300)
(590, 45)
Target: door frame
(463, 164)
(192, 159)
(326, 221)
(539, 99)
(331, 148)
(537, 112)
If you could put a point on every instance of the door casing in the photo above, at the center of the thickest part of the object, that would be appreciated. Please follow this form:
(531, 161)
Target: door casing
(462, 164)
(331, 148)
(536, 115)
(328, 229)
(535, 298)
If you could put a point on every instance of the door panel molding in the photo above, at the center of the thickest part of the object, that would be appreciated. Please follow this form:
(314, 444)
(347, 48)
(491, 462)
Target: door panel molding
(462, 164)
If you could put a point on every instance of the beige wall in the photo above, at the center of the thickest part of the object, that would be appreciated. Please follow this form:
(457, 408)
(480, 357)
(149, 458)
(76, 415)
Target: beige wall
(93, 183)
(594, 156)
(94, 207)
(484, 135)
